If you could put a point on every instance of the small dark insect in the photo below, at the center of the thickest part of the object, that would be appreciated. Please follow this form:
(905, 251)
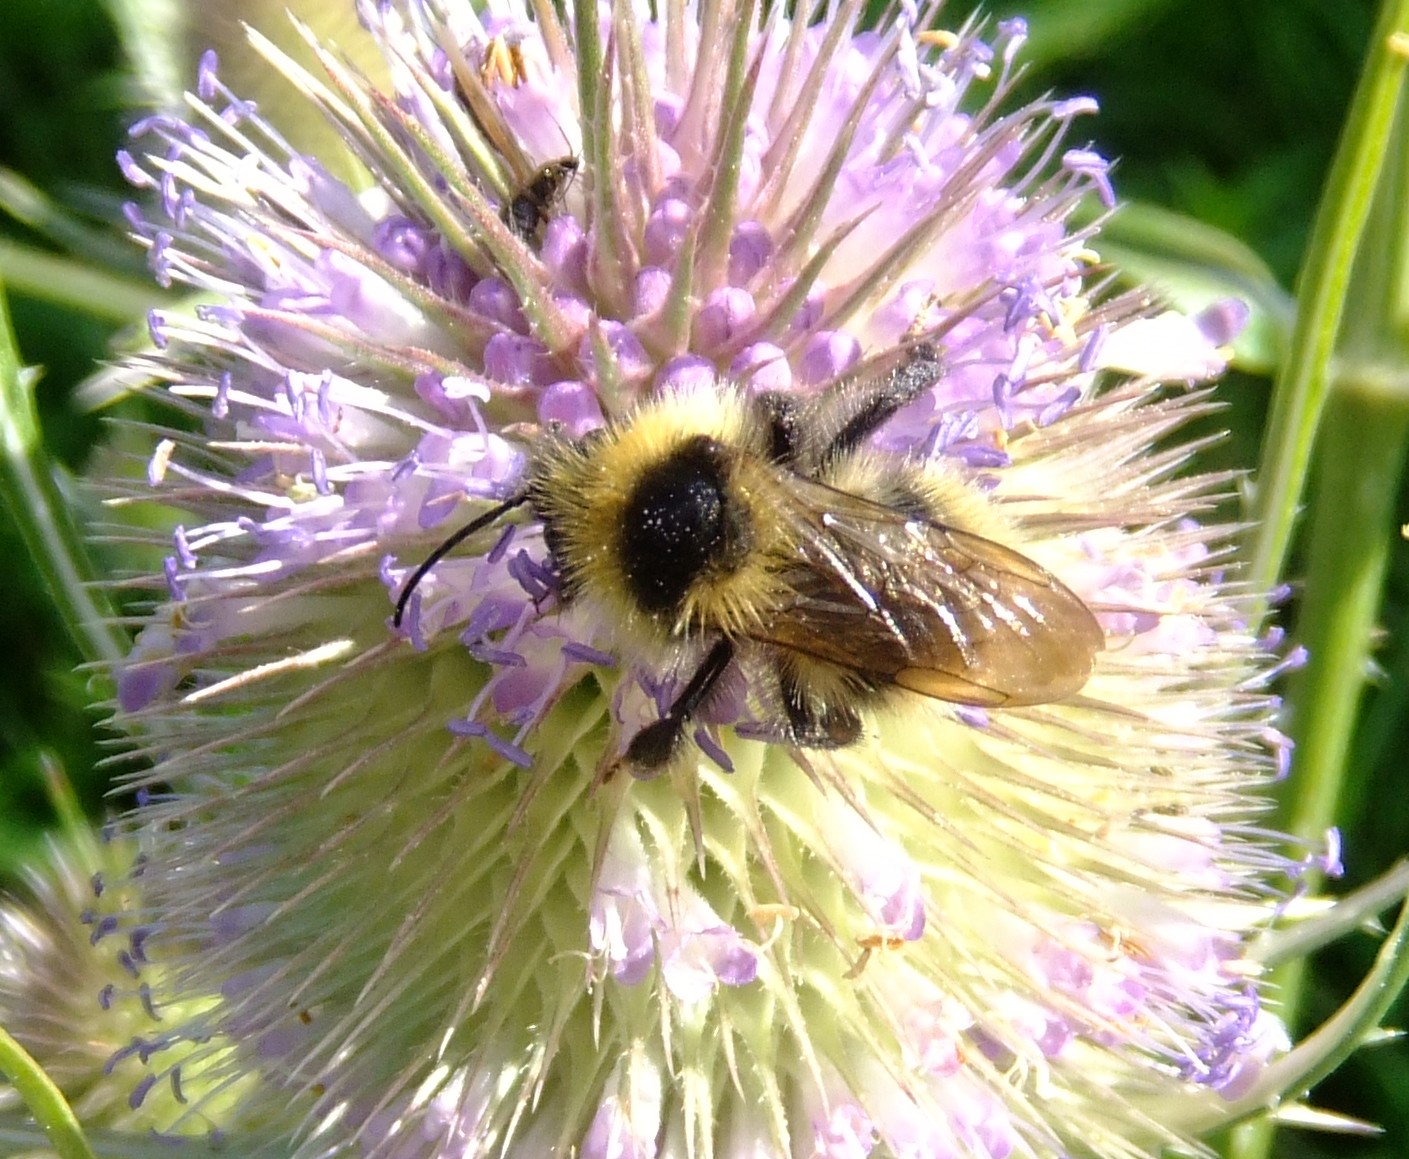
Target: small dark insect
(716, 529)
(529, 209)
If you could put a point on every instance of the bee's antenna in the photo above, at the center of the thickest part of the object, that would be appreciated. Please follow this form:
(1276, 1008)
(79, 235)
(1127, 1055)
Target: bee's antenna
(476, 524)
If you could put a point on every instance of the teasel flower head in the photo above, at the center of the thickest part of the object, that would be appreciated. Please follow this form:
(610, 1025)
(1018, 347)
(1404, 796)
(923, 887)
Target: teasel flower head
(393, 860)
(76, 993)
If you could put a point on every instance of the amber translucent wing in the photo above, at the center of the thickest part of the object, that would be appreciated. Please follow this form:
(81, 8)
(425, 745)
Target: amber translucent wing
(926, 607)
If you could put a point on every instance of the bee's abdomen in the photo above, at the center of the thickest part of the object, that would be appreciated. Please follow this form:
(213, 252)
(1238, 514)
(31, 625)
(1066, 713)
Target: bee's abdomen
(680, 525)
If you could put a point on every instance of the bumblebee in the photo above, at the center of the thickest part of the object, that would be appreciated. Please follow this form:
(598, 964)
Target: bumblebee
(761, 531)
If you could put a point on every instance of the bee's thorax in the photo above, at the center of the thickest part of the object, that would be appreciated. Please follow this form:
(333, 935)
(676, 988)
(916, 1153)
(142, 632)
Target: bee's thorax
(680, 525)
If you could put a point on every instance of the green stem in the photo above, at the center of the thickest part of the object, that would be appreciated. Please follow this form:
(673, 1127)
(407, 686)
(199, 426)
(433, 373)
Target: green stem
(1362, 445)
(1353, 532)
(1301, 388)
(1351, 300)
(36, 505)
(44, 1100)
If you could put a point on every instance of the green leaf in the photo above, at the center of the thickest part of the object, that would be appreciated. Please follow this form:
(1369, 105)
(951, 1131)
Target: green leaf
(30, 205)
(154, 34)
(44, 1100)
(1063, 30)
(29, 490)
(1301, 388)
(1339, 1036)
(70, 282)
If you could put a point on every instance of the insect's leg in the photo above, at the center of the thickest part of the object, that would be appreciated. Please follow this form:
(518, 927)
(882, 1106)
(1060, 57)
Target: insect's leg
(872, 403)
(812, 723)
(650, 749)
(779, 413)
(477, 524)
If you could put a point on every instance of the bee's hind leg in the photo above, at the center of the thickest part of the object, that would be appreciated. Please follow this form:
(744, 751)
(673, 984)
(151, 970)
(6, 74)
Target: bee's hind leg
(813, 722)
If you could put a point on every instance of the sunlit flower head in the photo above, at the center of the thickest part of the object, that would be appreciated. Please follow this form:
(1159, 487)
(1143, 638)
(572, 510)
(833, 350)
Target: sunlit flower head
(400, 861)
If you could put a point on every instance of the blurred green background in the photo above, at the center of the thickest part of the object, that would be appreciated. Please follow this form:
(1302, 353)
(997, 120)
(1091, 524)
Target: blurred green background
(1226, 112)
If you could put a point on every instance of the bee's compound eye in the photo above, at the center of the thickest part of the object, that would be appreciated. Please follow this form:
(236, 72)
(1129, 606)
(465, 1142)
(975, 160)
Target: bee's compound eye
(678, 524)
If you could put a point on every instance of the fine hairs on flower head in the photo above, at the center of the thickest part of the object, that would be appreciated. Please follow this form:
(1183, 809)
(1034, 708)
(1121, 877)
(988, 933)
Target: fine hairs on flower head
(968, 865)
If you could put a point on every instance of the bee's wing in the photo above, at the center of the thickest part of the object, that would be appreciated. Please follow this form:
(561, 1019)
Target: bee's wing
(926, 607)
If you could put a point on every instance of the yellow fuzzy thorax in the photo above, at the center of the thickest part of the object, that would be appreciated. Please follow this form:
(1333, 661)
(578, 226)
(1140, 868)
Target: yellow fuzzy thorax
(583, 488)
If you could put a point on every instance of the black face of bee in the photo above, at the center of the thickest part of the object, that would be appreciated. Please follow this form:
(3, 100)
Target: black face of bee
(679, 524)
(529, 209)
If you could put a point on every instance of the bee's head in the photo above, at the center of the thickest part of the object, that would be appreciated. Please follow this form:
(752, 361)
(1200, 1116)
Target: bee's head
(682, 523)
(651, 518)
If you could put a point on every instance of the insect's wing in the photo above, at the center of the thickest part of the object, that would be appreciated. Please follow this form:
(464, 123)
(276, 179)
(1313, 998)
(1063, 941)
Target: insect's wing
(914, 603)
